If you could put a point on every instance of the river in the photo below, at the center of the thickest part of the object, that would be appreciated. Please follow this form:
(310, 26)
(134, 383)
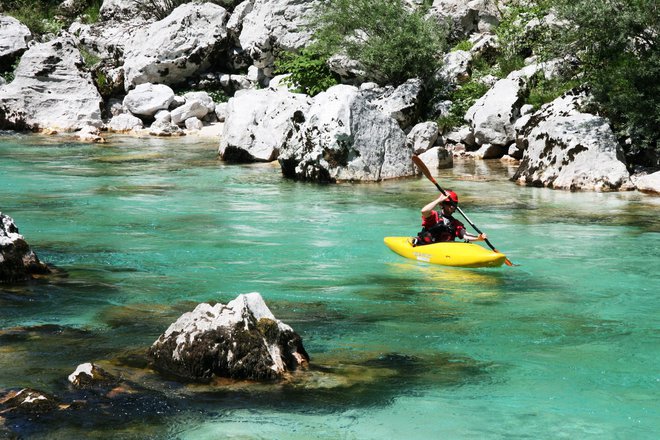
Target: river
(564, 345)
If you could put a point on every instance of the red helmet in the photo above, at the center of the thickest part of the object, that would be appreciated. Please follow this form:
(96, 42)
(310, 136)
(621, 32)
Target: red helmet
(451, 199)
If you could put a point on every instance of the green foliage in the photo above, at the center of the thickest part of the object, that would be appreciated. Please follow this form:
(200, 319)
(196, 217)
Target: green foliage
(462, 98)
(217, 95)
(522, 30)
(392, 43)
(89, 59)
(462, 45)
(308, 69)
(617, 46)
(91, 14)
(544, 90)
(39, 17)
(43, 17)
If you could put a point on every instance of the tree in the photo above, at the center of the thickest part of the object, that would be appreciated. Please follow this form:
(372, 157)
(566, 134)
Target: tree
(616, 43)
(388, 40)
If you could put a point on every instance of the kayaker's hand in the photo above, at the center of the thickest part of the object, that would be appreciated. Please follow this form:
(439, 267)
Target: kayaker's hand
(483, 237)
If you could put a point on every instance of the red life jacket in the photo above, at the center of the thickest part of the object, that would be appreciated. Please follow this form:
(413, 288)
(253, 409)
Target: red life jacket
(446, 228)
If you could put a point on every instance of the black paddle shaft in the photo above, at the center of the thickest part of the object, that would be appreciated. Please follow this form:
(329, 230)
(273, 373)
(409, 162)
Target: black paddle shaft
(442, 191)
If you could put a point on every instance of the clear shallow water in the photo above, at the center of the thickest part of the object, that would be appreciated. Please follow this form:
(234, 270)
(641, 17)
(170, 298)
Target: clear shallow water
(564, 346)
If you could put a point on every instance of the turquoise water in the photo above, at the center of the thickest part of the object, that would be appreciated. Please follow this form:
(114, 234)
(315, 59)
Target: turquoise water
(566, 345)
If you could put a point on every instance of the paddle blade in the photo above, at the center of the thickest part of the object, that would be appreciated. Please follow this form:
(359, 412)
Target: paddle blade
(422, 167)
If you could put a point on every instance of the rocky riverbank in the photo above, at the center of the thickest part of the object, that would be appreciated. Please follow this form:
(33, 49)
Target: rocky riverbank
(150, 76)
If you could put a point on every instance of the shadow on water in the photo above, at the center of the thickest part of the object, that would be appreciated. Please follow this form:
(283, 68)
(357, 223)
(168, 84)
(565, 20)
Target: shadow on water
(332, 384)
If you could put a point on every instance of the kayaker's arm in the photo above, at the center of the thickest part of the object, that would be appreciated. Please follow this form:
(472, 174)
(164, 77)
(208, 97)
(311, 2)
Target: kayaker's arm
(471, 237)
(427, 209)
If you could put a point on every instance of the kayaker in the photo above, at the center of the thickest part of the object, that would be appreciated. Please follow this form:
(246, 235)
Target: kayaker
(438, 226)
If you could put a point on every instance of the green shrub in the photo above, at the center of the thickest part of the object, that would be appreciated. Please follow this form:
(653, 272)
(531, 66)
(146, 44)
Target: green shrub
(308, 69)
(42, 16)
(91, 14)
(616, 46)
(462, 98)
(392, 43)
(544, 90)
(89, 59)
(465, 45)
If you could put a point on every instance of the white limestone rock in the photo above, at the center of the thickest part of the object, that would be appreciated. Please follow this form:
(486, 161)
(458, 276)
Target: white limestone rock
(170, 50)
(270, 25)
(422, 136)
(147, 99)
(14, 38)
(568, 149)
(344, 137)
(124, 123)
(258, 122)
(647, 182)
(51, 90)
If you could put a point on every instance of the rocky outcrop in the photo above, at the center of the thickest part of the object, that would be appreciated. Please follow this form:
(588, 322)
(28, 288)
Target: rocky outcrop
(258, 123)
(17, 261)
(344, 137)
(90, 375)
(51, 90)
(240, 340)
(28, 400)
(14, 38)
(567, 149)
(647, 182)
(492, 116)
(171, 50)
(271, 25)
(401, 103)
(466, 16)
(422, 136)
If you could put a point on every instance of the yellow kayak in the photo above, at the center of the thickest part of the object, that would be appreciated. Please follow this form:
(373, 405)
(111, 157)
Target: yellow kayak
(447, 253)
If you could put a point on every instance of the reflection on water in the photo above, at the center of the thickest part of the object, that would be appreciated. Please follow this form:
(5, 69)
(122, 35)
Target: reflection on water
(148, 228)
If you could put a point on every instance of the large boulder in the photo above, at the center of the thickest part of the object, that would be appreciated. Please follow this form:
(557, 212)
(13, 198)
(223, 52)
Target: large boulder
(147, 99)
(403, 103)
(422, 136)
(258, 122)
(176, 47)
(271, 25)
(647, 182)
(51, 90)
(466, 16)
(120, 10)
(239, 340)
(344, 137)
(567, 149)
(17, 261)
(106, 40)
(14, 37)
(492, 117)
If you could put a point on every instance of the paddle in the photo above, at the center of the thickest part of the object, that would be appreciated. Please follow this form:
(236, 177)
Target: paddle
(422, 166)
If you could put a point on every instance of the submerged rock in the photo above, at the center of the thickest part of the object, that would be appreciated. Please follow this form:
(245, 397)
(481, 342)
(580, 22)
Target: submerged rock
(17, 261)
(88, 375)
(240, 340)
(28, 400)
